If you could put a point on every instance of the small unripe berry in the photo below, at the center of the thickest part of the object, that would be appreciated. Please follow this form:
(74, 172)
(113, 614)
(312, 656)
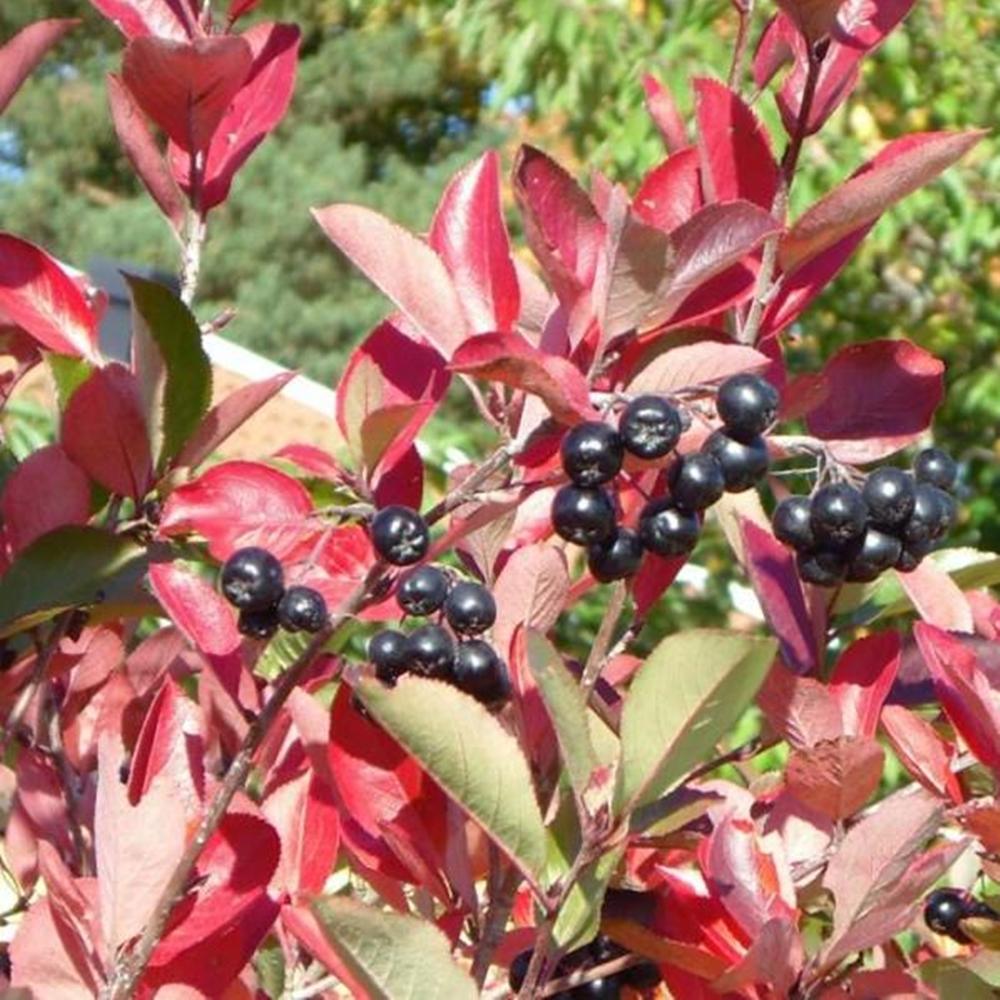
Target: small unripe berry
(252, 579)
(696, 482)
(747, 405)
(470, 608)
(616, 558)
(389, 651)
(936, 467)
(592, 453)
(889, 495)
(400, 535)
(650, 427)
(302, 609)
(581, 515)
(431, 652)
(792, 523)
(666, 530)
(743, 465)
(838, 515)
(422, 591)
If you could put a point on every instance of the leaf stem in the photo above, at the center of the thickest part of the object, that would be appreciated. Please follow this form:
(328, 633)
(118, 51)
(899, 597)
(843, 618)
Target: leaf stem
(737, 69)
(602, 641)
(503, 882)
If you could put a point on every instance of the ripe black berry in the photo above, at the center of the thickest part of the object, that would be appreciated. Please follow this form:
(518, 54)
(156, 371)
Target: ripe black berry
(583, 516)
(252, 579)
(422, 591)
(470, 608)
(616, 558)
(258, 623)
(431, 652)
(479, 671)
(696, 482)
(302, 609)
(666, 530)
(742, 464)
(400, 535)
(747, 405)
(943, 911)
(592, 453)
(650, 427)
(925, 523)
(877, 552)
(890, 495)
(838, 514)
(603, 949)
(822, 567)
(390, 652)
(518, 970)
(644, 976)
(936, 467)
(912, 555)
(606, 988)
(792, 523)
(947, 513)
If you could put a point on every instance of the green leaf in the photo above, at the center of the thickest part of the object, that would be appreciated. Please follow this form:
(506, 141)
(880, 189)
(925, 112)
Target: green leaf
(394, 956)
(67, 568)
(470, 755)
(579, 917)
(68, 374)
(693, 687)
(175, 372)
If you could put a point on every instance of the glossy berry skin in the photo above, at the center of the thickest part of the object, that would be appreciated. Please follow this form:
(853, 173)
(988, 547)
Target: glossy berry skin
(252, 579)
(924, 524)
(747, 405)
(258, 623)
(667, 531)
(390, 652)
(650, 427)
(877, 552)
(644, 976)
(431, 652)
(470, 608)
(606, 988)
(616, 558)
(889, 495)
(302, 609)
(838, 515)
(911, 555)
(935, 467)
(518, 970)
(592, 453)
(583, 516)
(400, 535)
(943, 911)
(822, 567)
(422, 591)
(743, 465)
(792, 523)
(479, 671)
(696, 482)
(947, 513)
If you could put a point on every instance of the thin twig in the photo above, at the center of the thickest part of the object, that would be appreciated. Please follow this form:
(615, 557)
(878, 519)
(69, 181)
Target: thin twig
(737, 69)
(602, 641)
(68, 779)
(503, 882)
(466, 489)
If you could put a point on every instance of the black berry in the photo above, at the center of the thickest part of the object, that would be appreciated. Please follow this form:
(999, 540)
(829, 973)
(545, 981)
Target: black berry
(742, 464)
(925, 523)
(603, 949)
(422, 591)
(479, 671)
(616, 558)
(877, 552)
(470, 608)
(583, 516)
(838, 514)
(822, 567)
(389, 651)
(943, 911)
(747, 405)
(666, 530)
(936, 467)
(890, 495)
(302, 609)
(252, 579)
(431, 652)
(643, 976)
(592, 453)
(518, 970)
(696, 482)
(400, 535)
(606, 988)
(947, 513)
(258, 623)
(912, 555)
(792, 523)
(650, 427)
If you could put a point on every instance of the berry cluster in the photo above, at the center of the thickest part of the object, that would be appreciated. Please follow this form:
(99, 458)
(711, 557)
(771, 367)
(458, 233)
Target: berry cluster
(945, 910)
(471, 663)
(643, 976)
(733, 458)
(842, 532)
(253, 582)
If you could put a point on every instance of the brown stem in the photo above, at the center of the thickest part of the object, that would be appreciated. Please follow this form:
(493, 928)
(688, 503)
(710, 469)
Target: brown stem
(503, 882)
(564, 984)
(68, 779)
(466, 490)
(602, 641)
(737, 69)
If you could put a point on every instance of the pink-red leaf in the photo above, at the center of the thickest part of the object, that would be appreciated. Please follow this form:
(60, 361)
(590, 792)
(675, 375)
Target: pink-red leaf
(470, 235)
(938, 599)
(671, 192)
(195, 608)
(862, 679)
(25, 51)
(655, 575)
(880, 396)
(837, 777)
(663, 110)
(697, 363)
(531, 591)
(922, 751)
(801, 709)
(186, 87)
(163, 18)
(104, 432)
(814, 18)
(776, 957)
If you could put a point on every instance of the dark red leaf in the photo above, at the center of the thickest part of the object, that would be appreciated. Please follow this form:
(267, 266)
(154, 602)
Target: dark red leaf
(401, 482)
(836, 778)
(174, 19)
(938, 599)
(778, 46)
(20, 55)
(671, 192)
(862, 679)
(663, 110)
(776, 957)
(186, 87)
(653, 579)
(922, 751)
(104, 432)
(880, 396)
(239, 8)
(697, 363)
(801, 709)
(814, 18)
(195, 608)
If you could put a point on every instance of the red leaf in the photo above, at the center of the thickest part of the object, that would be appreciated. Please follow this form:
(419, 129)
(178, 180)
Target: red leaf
(801, 709)
(186, 87)
(337, 567)
(736, 156)
(694, 364)
(104, 432)
(509, 358)
(963, 690)
(162, 18)
(470, 235)
(40, 796)
(662, 109)
(401, 482)
(241, 503)
(238, 8)
(655, 575)
(530, 591)
(880, 396)
(139, 146)
(922, 752)
(862, 679)
(814, 18)
(45, 492)
(836, 778)
(402, 267)
(41, 298)
(776, 957)
(226, 417)
(20, 55)
(195, 608)
(305, 928)
(671, 192)
(937, 598)
(901, 168)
